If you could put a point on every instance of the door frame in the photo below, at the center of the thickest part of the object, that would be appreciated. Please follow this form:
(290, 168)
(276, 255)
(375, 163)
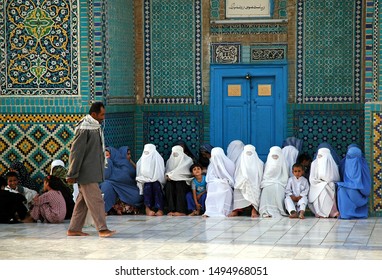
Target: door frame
(219, 72)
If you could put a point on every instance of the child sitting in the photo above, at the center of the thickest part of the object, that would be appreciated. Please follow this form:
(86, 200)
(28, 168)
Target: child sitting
(12, 208)
(50, 206)
(296, 192)
(15, 187)
(197, 197)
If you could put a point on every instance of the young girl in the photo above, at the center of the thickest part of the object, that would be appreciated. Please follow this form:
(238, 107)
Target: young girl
(50, 206)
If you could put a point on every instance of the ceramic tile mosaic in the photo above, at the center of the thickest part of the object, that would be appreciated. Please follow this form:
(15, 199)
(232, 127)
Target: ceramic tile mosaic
(339, 128)
(268, 53)
(165, 128)
(371, 50)
(120, 51)
(329, 48)
(119, 130)
(35, 140)
(173, 52)
(377, 162)
(39, 40)
(225, 53)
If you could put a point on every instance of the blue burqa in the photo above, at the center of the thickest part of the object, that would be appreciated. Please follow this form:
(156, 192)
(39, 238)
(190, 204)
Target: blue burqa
(353, 193)
(120, 180)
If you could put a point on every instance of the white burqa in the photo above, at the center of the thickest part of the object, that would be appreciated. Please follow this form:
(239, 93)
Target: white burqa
(234, 150)
(273, 185)
(290, 154)
(248, 175)
(220, 183)
(323, 174)
(150, 167)
(178, 165)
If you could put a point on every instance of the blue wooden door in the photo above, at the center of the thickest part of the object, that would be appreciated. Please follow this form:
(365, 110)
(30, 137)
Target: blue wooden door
(248, 104)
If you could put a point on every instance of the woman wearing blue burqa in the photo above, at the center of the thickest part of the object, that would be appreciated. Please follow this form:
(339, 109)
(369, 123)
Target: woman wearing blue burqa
(353, 193)
(120, 181)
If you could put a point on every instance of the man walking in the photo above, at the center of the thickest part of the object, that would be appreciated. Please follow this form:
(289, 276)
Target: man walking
(86, 167)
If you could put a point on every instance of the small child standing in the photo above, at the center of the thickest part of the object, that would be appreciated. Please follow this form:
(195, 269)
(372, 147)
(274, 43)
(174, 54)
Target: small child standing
(197, 197)
(296, 193)
(50, 206)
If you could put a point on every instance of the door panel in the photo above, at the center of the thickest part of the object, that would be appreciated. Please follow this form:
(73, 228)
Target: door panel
(248, 103)
(235, 112)
(263, 120)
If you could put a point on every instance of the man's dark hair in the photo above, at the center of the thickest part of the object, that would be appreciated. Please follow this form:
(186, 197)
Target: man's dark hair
(96, 107)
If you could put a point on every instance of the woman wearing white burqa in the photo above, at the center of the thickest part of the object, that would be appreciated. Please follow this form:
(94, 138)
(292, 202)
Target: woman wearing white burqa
(178, 176)
(323, 175)
(220, 183)
(248, 176)
(234, 150)
(290, 154)
(150, 180)
(275, 179)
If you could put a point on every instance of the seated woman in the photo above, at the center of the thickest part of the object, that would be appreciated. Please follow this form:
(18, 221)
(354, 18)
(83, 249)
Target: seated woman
(220, 183)
(186, 149)
(204, 156)
(273, 185)
(323, 176)
(353, 193)
(290, 154)
(248, 176)
(178, 183)
(333, 152)
(234, 150)
(50, 206)
(58, 170)
(151, 179)
(120, 184)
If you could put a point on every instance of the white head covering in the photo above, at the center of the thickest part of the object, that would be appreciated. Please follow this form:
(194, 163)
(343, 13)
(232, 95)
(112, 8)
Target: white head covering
(234, 150)
(249, 168)
(324, 167)
(56, 162)
(150, 167)
(248, 176)
(178, 165)
(275, 169)
(220, 167)
(323, 170)
(290, 154)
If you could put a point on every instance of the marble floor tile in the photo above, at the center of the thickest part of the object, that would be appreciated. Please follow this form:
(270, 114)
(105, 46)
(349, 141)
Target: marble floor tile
(196, 238)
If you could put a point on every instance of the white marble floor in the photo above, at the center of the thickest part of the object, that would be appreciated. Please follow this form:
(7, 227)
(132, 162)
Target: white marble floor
(195, 238)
